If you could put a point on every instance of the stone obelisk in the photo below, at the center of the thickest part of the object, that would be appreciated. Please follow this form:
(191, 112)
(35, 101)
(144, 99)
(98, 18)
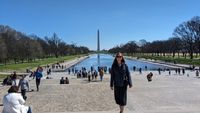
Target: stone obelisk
(98, 48)
(98, 42)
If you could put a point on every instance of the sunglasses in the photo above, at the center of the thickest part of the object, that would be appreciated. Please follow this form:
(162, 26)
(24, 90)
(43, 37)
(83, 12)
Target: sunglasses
(119, 56)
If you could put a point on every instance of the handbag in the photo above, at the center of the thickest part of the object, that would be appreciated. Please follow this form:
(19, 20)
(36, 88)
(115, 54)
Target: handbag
(126, 81)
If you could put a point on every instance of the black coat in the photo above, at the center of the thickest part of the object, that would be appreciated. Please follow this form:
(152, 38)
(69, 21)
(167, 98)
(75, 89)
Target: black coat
(119, 74)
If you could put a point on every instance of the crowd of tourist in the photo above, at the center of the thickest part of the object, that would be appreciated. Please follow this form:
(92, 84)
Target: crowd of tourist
(14, 102)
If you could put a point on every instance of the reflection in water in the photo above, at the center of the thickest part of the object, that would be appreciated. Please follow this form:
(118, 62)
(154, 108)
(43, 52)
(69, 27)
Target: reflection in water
(102, 60)
(98, 59)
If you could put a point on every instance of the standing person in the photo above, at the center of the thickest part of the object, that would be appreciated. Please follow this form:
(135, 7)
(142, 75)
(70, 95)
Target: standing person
(159, 71)
(197, 73)
(91, 68)
(140, 70)
(49, 71)
(105, 69)
(38, 76)
(169, 72)
(14, 79)
(120, 79)
(109, 69)
(23, 83)
(92, 75)
(101, 74)
(145, 68)
(134, 68)
(95, 74)
(14, 103)
(179, 71)
(183, 71)
(69, 71)
(89, 76)
(176, 70)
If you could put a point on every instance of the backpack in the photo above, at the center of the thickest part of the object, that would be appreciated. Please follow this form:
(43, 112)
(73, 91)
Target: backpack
(38, 75)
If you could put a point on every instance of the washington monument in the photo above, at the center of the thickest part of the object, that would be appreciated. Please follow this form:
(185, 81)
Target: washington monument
(98, 48)
(98, 42)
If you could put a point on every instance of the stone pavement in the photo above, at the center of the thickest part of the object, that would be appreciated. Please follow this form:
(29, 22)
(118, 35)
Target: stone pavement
(165, 94)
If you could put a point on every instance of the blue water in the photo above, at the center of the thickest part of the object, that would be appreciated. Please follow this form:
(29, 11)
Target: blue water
(107, 60)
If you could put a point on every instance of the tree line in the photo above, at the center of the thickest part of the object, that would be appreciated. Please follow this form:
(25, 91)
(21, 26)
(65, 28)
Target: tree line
(19, 47)
(185, 40)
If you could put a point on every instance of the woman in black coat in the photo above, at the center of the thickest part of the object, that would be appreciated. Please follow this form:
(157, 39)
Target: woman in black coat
(120, 79)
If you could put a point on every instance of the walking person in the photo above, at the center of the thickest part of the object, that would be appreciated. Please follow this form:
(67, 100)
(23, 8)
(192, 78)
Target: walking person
(14, 103)
(38, 76)
(120, 79)
(23, 83)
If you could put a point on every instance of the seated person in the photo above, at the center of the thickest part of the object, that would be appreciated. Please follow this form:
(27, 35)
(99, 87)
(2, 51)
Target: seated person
(149, 77)
(66, 80)
(62, 81)
(7, 81)
(13, 102)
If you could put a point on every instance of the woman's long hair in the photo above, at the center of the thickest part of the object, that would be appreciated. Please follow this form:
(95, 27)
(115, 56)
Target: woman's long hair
(115, 63)
(13, 89)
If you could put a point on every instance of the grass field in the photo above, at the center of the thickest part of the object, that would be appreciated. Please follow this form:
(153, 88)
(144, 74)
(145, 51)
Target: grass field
(176, 60)
(180, 60)
(169, 58)
(21, 67)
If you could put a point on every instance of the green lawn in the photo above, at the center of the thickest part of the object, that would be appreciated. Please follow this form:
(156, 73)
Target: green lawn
(21, 67)
(180, 60)
(169, 58)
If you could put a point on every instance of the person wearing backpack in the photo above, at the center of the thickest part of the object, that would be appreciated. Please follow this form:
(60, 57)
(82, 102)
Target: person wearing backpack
(38, 76)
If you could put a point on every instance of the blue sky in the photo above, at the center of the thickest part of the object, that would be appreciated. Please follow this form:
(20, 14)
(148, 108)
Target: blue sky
(119, 21)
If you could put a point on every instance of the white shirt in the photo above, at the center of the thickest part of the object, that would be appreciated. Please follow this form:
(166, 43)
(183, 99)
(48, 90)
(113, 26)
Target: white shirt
(14, 103)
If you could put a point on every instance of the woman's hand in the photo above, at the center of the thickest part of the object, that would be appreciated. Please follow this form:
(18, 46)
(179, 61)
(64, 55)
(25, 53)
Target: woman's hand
(111, 88)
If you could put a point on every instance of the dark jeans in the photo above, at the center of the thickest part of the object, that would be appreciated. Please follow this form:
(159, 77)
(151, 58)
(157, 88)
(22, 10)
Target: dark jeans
(29, 110)
(37, 83)
(23, 92)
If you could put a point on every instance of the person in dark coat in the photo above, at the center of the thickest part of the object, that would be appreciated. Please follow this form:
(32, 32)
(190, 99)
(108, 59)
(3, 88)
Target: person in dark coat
(149, 77)
(120, 79)
(62, 81)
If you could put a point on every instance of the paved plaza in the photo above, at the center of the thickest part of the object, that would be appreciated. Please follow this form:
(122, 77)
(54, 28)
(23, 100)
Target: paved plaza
(165, 94)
